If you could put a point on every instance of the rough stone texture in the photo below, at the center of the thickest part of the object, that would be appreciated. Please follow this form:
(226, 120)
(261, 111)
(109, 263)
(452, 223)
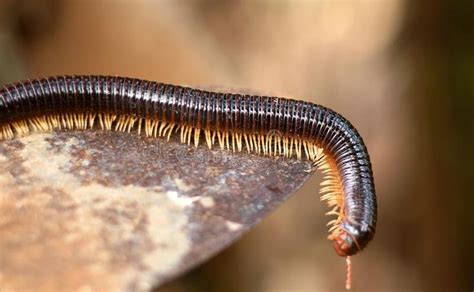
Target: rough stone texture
(95, 211)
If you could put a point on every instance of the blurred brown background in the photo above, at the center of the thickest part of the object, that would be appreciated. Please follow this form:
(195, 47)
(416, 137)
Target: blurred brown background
(401, 71)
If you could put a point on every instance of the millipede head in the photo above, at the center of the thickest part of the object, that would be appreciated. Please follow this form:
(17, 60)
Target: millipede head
(349, 239)
(345, 244)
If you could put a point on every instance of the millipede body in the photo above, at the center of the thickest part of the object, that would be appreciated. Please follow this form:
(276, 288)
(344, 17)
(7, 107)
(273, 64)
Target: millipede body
(237, 122)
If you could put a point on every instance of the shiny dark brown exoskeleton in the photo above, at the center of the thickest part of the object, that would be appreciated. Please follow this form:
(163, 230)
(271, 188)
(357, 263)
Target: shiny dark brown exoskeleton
(200, 109)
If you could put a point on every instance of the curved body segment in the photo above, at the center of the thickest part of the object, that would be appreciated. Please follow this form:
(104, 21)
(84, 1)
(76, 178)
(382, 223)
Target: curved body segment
(258, 124)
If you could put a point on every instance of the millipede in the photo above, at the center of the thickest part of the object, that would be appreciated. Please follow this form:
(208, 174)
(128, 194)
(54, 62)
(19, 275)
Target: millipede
(271, 126)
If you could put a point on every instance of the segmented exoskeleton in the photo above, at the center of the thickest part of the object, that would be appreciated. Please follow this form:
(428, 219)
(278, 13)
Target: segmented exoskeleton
(238, 122)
